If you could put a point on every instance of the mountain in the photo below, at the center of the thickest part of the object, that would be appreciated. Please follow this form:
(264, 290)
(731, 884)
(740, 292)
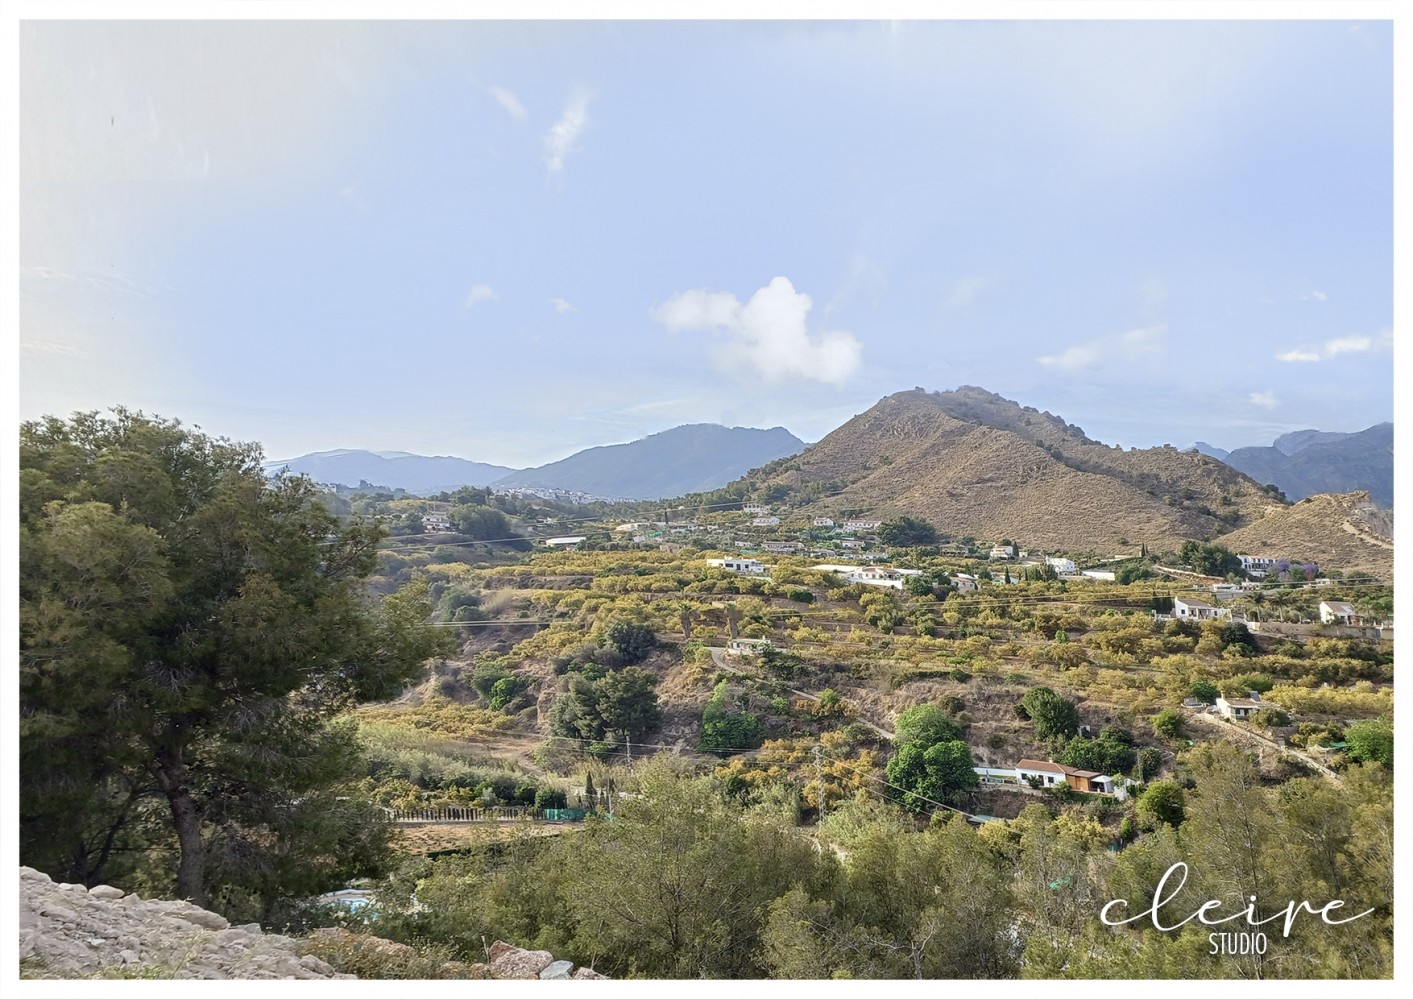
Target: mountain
(395, 469)
(976, 464)
(1346, 531)
(1203, 447)
(687, 459)
(1307, 462)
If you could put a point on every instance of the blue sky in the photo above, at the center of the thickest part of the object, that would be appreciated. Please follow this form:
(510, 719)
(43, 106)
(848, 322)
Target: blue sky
(509, 241)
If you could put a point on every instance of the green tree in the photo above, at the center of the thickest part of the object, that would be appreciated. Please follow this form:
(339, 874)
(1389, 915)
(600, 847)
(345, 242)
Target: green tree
(187, 630)
(1370, 740)
(1053, 715)
(1161, 802)
(1205, 691)
(727, 731)
(907, 532)
(926, 776)
(927, 724)
(1168, 723)
(631, 640)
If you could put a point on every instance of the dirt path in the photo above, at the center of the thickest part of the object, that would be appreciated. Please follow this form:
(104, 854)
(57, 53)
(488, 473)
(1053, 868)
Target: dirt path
(1244, 731)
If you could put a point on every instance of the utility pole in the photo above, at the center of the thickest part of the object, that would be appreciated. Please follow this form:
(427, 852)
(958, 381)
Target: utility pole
(819, 774)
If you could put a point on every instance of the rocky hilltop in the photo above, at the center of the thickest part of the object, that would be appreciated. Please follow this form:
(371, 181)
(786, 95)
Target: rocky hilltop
(1348, 531)
(975, 463)
(71, 932)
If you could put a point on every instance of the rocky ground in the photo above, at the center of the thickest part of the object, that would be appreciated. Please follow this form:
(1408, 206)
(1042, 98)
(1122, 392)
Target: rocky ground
(69, 931)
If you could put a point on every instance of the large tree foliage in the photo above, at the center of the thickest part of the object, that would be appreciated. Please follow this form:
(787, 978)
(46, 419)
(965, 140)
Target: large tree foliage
(1054, 716)
(907, 532)
(187, 630)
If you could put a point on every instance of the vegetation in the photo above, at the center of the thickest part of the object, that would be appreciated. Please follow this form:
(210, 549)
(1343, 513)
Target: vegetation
(188, 634)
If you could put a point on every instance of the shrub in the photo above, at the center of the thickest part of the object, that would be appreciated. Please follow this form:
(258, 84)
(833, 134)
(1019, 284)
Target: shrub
(1168, 723)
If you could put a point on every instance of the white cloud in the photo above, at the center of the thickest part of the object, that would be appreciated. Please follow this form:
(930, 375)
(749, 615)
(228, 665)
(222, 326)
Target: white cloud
(965, 291)
(1314, 296)
(561, 306)
(1347, 345)
(1266, 400)
(1340, 345)
(563, 135)
(479, 293)
(766, 336)
(510, 102)
(1147, 343)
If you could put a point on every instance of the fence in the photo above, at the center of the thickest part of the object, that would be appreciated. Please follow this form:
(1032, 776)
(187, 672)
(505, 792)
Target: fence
(497, 813)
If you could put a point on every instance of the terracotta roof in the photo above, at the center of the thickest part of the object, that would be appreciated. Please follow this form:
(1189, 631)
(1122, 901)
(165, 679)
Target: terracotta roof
(1086, 774)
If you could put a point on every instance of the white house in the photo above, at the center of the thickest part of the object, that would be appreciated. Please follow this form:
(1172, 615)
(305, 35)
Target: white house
(823, 522)
(745, 566)
(1061, 565)
(861, 525)
(1187, 609)
(754, 508)
(1257, 566)
(1239, 708)
(766, 522)
(747, 646)
(784, 547)
(965, 583)
(851, 544)
(1049, 774)
(434, 522)
(1003, 551)
(1337, 612)
(564, 542)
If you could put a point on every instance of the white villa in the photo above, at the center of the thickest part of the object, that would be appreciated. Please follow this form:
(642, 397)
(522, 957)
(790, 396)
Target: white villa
(766, 522)
(1257, 566)
(1240, 708)
(1064, 566)
(1187, 609)
(745, 566)
(433, 522)
(1337, 612)
(823, 522)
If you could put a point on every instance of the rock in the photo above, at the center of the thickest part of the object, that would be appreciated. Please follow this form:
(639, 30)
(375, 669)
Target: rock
(557, 969)
(127, 956)
(314, 964)
(251, 928)
(497, 949)
(517, 963)
(59, 912)
(105, 891)
(588, 973)
(202, 918)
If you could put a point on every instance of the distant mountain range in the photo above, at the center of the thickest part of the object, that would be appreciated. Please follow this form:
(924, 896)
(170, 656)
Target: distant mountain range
(1305, 462)
(394, 469)
(687, 459)
(692, 458)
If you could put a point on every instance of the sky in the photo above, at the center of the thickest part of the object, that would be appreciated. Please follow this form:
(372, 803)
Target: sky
(508, 241)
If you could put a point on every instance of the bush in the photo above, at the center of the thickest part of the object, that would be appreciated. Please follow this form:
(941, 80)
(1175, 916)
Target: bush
(1168, 723)
(1162, 803)
(1052, 714)
(371, 957)
(1204, 691)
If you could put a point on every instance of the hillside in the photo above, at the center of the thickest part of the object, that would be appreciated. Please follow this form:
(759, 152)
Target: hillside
(1307, 462)
(1344, 531)
(687, 459)
(394, 469)
(975, 463)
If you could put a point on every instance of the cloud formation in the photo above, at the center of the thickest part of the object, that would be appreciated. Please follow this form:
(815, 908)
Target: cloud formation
(561, 306)
(767, 336)
(1144, 344)
(479, 293)
(1337, 346)
(1266, 400)
(563, 135)
(509, 101)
